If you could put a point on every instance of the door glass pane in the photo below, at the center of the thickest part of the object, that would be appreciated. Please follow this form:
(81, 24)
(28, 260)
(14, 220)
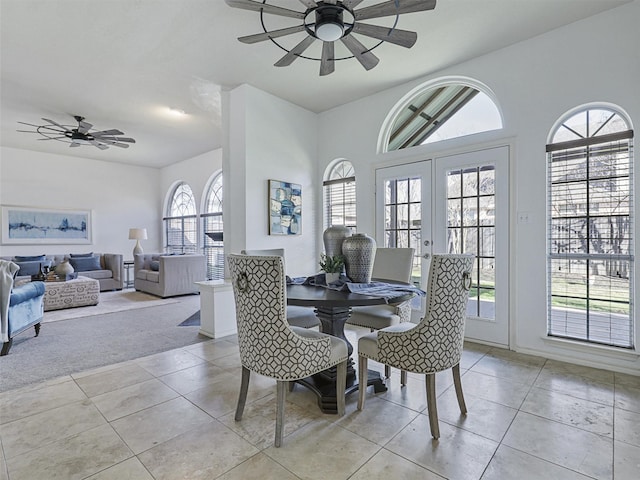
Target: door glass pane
(471, 229)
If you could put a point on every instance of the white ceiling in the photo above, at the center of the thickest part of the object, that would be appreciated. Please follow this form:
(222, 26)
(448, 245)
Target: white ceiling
(123, 63)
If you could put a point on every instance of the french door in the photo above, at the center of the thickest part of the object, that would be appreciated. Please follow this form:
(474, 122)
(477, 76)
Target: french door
(462, 208)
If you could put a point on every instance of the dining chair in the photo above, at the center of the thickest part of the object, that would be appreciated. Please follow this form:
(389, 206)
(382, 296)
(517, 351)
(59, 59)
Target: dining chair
(297, 316)
(270, 346)
(392, 265)
(432, 345)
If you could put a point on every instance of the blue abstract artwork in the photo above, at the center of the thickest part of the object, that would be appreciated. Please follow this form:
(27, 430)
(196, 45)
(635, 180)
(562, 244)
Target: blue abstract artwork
(30, 225)
(285, 208)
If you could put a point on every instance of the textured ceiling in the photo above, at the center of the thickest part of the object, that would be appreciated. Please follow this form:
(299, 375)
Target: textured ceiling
(123, 63)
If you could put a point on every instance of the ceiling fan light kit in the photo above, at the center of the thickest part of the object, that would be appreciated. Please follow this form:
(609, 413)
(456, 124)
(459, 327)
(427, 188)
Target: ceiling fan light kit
(80, 135)
(333, 20)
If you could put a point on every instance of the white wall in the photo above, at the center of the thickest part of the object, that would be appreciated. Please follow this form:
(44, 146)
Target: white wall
(269, 138)
(119, 197)
(535, 82)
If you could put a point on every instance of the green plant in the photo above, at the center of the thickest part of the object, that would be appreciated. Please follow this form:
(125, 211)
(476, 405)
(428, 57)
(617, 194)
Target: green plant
(331, 264)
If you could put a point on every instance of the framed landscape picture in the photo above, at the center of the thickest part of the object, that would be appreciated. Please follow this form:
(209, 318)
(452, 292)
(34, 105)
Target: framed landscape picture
(285, 208)
(30, 225)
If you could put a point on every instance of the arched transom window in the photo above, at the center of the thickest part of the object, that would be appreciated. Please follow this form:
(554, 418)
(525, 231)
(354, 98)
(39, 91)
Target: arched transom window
(443, 112)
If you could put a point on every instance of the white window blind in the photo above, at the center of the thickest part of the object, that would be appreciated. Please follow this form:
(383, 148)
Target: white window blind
(590, 235)
(340, 196)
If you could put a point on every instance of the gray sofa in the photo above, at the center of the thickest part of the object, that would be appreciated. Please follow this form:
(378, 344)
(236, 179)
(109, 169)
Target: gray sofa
(108, 268)
(168, 275)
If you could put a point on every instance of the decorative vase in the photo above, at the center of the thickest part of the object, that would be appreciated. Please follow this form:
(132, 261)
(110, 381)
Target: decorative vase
(64, 268)
(333, 238)
(359, 251)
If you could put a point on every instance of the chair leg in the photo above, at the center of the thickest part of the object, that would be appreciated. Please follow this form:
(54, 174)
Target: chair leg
(341, 382)
(431, 405)
(458, 385)
(387, 371)
(281, 396)
(403, 378)
(6, 346)
(362, 378)
(37, 329)
(242, 398)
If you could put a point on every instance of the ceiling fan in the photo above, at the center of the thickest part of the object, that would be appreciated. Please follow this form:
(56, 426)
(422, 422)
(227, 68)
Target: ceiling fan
(80, 135)
(333, 20)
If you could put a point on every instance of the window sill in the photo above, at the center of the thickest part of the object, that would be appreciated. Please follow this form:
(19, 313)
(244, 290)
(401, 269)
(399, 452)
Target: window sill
(612, 352)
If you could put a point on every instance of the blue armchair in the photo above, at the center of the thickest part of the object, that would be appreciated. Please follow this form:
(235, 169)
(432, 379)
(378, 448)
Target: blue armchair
(20, 307)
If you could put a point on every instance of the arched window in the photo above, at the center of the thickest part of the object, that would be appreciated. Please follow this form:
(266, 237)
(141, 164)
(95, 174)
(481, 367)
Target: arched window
(340, 196)
(442, 112)
(212, 229)
(590, 228)
(180, 223)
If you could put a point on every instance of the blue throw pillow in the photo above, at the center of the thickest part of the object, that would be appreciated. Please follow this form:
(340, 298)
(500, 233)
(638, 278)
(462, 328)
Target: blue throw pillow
(81, 255)
(154, 265)
(32, 258)
(85, 264)
(31, 268)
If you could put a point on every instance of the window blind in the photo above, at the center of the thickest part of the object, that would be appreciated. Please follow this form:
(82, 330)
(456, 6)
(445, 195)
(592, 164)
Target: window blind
(590, 239)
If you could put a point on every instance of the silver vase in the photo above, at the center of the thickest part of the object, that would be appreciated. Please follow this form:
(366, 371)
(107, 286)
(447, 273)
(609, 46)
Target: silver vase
(359, 251)
(333, 238)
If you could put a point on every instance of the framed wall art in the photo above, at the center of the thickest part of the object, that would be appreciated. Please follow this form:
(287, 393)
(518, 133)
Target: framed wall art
(32, 225)
(285, 208)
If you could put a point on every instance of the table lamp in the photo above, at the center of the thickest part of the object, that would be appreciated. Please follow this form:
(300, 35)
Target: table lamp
(137, 234)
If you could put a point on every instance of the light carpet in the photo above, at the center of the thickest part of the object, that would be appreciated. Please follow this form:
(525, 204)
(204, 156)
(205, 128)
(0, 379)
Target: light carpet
(74, 345)
(110, 302)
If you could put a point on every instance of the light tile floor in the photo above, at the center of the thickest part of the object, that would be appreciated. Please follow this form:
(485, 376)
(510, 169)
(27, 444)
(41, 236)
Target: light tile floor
(171, 416)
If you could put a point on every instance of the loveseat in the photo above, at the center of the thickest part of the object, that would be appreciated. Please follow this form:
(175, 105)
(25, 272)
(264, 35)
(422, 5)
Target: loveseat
(21, 307)
(107, 268)
(168, 275)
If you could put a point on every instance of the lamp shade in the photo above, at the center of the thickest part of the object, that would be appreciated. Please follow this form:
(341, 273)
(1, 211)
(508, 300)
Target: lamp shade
(137, 234)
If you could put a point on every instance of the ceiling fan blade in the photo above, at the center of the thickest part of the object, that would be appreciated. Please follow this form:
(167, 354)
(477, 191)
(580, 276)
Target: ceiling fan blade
(30, 124)
(393, 7)
(112, 140)
(295, 52)
(261, 37)
(97, 144)
(121, 145)
(56, 124)
(125, 139)
(74, 144)
(351, 3)
(309, 3)
(50, 138)
(404, 38)
(266, 8)
(367, 59)
(84, 127)
(113, 131)
(327, 63)
(332, 2)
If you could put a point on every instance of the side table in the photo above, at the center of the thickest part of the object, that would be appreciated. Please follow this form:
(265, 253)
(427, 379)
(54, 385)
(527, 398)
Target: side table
(128, 268)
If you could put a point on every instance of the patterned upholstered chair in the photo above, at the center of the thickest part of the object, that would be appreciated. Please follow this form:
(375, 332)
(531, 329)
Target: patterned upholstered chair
(393, 265)
(297, 316)
(271, 347)
(434, 344)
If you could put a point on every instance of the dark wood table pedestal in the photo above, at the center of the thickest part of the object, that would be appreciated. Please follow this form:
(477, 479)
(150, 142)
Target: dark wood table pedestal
(333, 308)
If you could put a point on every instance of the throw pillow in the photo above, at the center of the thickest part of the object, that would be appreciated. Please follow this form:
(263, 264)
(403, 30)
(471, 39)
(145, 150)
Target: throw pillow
(32, 258)
(81, 255)
(31, 268)
(154, 265)
(85, 264)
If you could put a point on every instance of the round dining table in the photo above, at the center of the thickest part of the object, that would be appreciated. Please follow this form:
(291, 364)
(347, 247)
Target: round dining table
(333, 308)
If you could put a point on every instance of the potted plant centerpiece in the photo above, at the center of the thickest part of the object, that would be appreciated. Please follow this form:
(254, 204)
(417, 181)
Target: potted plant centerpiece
(332, 267)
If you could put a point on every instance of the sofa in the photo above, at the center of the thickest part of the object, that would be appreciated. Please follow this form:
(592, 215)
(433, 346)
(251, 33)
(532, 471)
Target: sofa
(168, 275)
(21, 307)
(107, 268)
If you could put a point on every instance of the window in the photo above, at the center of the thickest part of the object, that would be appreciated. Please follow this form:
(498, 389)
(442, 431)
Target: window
(181, 227)
(590, 223)
(340, 196)
(212, 228)
(471, 228)
(443, 112)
